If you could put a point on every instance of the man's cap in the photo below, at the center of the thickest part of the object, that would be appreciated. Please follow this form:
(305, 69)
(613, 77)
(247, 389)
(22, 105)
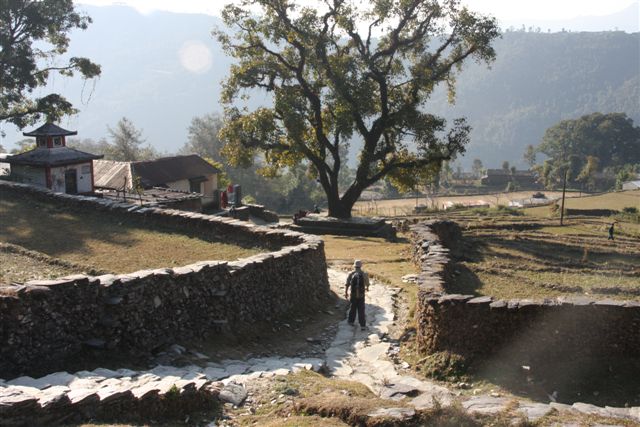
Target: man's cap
(357, 263)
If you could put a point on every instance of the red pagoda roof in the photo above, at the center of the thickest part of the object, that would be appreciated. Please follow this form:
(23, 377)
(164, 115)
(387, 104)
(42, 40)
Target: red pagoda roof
(49, 129)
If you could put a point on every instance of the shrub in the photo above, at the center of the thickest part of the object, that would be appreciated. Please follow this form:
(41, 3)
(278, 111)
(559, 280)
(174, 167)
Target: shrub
(629, 213)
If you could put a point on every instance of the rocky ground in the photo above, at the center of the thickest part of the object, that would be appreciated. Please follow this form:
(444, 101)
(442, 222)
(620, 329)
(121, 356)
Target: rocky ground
(250, 384)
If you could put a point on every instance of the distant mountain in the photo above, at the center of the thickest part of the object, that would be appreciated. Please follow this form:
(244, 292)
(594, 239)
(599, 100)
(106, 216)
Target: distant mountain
(627, 20)
(142, 76)
(537, 80)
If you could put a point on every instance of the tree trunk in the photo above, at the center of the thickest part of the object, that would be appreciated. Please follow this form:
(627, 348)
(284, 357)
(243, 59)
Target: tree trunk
(339, 208)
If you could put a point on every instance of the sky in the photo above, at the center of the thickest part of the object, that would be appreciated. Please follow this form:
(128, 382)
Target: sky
(508, 12)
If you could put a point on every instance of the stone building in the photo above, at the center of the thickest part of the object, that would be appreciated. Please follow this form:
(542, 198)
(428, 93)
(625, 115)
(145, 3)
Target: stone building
(52, 164)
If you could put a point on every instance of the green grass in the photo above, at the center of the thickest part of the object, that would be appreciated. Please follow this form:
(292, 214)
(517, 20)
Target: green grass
(99, 241)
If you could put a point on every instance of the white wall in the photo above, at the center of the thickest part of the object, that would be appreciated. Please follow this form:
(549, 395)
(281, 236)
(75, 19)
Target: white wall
(206, 187)
(83, 175)
(29, 175)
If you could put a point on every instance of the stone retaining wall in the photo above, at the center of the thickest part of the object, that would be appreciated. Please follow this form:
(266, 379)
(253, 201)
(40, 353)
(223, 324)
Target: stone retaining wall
(524, 330)
(45, 323)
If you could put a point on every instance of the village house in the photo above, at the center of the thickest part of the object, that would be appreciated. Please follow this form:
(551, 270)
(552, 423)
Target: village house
(502, 177)
(632, 185)
(52, 164)
(186, 174)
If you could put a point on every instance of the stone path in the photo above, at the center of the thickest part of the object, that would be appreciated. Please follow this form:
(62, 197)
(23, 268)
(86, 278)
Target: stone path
(368, 357)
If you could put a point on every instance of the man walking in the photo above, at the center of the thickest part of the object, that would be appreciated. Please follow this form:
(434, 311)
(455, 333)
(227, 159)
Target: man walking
(358, 281)
(611, 231)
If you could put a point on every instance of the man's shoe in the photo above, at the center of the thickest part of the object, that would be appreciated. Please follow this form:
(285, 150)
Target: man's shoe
(350, 323)
(363, 328)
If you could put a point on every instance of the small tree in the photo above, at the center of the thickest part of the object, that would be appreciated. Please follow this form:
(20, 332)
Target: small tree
(203, 137)
(89, 145)
(530, 155)
(127, 143)
(588, 172)
(331, 82)
(505, 166)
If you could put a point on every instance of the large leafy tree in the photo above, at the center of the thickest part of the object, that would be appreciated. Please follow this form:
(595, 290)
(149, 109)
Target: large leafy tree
(347, 71)
(591, 143)
(33, 35)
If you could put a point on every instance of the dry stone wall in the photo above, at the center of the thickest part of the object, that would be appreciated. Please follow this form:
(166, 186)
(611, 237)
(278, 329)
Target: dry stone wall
(109, 396)
(526, 330)
(45, 323)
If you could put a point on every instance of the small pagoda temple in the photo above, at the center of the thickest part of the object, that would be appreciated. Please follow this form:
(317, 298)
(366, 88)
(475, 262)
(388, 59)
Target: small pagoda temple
(52, 164)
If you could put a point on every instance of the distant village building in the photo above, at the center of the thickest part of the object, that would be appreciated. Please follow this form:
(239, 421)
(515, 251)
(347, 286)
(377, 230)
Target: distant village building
(502, 177)
(187, 174)
(631, 185)
(52, 164)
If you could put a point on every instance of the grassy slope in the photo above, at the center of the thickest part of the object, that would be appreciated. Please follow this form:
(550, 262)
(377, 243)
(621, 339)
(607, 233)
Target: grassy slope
(103, 242)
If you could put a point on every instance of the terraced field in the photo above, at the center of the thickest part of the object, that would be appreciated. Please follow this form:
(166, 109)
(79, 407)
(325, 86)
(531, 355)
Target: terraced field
(524, 257)
(86, 241)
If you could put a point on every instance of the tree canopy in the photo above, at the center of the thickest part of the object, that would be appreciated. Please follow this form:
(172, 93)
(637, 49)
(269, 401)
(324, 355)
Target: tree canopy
(587, 145)
(33, 34)
(203, 137)
(349, 71)
(127, 143)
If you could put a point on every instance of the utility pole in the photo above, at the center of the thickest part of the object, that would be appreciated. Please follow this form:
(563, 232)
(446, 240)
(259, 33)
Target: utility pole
(564, 189)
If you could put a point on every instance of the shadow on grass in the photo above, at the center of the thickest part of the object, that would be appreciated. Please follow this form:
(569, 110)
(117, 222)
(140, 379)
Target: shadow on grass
(56, 230)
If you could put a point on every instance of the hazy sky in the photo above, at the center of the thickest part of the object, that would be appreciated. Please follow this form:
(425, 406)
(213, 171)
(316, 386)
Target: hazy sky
(507, 11)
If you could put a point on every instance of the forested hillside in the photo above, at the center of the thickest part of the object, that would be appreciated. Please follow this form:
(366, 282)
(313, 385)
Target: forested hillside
(537, 80)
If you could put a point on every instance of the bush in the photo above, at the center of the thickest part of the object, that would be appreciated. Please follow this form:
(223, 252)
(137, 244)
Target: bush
(249, 200)
(629, 213)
